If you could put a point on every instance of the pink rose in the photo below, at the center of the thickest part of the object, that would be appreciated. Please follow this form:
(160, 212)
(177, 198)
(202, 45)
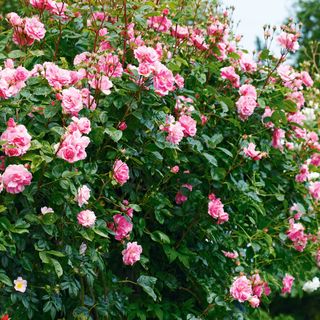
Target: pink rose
(230, 255)
(189, 125)
(159, 23)
(146, 55)
(122, 126)
(132, 253)
(245, 106)
(72, 101)
(83, 125)
(278, 138)
(216, 210)
(175, 169)
(121, 225)
(314, 189)
(120, 172)
(250, 152)
(163, 80)
(83, 195)
(15, 178)
(86, 218)
(174, 129)
(288, 41)
(34, 28)
(229, 73)
(16, 139)
(254, 302)
(248, 90)
(241, 289)
(287, 283)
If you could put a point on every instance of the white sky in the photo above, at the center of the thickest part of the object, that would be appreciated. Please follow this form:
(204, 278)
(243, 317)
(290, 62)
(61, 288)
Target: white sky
(253, 14)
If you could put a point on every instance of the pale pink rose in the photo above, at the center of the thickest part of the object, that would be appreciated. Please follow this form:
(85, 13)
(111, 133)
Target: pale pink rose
(241, 289)
(15, 178)
(174, 129)
(103, 84)
(251, 152)
(297, 236)
(57, 8)
(121, 225)
(120, 172)
(248, 90)
(175, 169)
(83, 195)
(314, 190)
(278, 138)
(247, 63)
(189, 126)
(73, 147)
(110, 66)
(163, 80)
(159, 23)
(180, 32)
(306, 79)
(86, 218)
(230, 255)
(245, 106)
(145, 69)
(297, 97)
(287, 283)
(229, 73)
(14, 19)
(146, 55)
(254, 302)
(179, 80)
(288, 41)
(132, 253)
(72, 101)
(56, 77)
(303, 174)
(180, 198)
(83, 125)
(9, 63)
(45, 210)
(16, 139)
(34, 28)
(216, 209)
(20, 284)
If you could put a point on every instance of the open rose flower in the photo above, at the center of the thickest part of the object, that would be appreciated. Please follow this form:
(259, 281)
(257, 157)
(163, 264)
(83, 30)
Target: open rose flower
(132, 253)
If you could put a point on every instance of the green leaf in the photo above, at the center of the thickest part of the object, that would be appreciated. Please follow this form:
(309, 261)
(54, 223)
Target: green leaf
(16, 54)
(212, 160)
(50, 111)
(57, 267)
(160, 237)
(5, 279)
(114, 134)
(147, 283)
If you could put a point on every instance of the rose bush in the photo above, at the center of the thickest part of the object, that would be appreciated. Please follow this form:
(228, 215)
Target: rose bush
(152, 168)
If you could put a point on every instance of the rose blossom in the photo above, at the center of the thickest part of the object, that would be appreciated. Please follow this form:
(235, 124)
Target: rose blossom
(20, 284)
(175, 169)
(15, 178)
(241, 289)
(34, 28)
(83, 195)
(120, 172)
(250, 152)
(86, 218)
(215, 209)
(72, 101)
(287, 283)
(132, 253)
(229, 73)
(314, 189)
(45, 210)
(245, 106)
(121, 225)
(189, 125)
(16, 139)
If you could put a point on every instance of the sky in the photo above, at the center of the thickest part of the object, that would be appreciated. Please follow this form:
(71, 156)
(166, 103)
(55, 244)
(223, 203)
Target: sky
(253, 14)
